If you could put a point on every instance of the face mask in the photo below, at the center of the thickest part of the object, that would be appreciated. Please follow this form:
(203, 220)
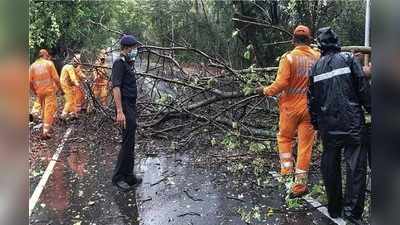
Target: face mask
(132, 54)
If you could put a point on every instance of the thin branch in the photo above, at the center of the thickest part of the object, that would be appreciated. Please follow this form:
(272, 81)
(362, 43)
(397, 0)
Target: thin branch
(264, 25)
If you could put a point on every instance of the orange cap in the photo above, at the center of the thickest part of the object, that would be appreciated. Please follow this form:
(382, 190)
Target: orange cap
(302, 30)
(44, 53)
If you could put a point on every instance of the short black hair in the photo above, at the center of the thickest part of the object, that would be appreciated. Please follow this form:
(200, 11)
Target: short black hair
(301, 39)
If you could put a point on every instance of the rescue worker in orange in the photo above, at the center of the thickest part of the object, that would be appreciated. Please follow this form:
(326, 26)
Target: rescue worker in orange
(36, 109)
(292, 85)
(80, 102)
(44, 83)
(100, 86)
(71, 85)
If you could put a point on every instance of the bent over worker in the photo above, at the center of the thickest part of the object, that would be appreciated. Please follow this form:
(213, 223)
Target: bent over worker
(70, 84)
(338, 92)
(44, 83)
(80, 101)
(292, 83)
(100, 86)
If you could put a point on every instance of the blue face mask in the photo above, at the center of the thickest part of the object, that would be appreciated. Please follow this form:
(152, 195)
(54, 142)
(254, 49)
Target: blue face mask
(132, 54)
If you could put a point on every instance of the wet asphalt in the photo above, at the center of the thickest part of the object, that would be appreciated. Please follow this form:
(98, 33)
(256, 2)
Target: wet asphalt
(178, 188)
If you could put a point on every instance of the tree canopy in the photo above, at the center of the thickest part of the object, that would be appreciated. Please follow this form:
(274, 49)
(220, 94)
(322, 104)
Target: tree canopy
(241, 32)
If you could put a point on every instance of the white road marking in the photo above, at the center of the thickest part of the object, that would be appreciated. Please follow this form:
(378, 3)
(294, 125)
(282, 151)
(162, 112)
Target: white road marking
(314, 203)
(49, 170)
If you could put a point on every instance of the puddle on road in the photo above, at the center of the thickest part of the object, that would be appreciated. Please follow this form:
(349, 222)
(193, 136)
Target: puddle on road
(79, 191)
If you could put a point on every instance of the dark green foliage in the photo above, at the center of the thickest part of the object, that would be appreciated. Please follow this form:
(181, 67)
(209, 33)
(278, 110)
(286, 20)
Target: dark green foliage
(203, 24)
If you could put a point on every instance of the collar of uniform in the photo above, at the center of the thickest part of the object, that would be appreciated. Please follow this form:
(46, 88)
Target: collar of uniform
(302, 47)
(40, 60)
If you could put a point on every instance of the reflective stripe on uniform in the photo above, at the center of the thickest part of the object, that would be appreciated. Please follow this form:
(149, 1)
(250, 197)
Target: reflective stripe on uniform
(287, 164)
(299, 171)
(294, 91)
(285, 155)
(333, 73)
(41, 82)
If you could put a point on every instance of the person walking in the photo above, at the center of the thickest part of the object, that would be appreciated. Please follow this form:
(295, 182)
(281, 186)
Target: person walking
(292, 83)
(44, 83)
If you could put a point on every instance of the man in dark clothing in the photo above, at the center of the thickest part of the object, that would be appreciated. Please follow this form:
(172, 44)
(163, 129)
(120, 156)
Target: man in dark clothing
(125, 93)
(338, 90)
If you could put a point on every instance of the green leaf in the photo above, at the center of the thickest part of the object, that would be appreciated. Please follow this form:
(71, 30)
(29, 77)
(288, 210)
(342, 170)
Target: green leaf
(246, 55)
(234, 33)
(248, 90)
(256, 147)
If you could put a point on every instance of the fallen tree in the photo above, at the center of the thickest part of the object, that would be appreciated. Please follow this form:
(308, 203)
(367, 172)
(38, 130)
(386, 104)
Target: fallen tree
(208, 99)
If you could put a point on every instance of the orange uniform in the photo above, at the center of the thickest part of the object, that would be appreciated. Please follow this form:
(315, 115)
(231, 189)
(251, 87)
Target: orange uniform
(292, 83)
(100, 86)
(43, 78)
(69, 82)
(79, 92)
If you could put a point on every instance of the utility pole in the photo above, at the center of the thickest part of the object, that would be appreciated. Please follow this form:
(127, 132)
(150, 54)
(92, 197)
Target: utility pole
(172, 32)
(367, 28)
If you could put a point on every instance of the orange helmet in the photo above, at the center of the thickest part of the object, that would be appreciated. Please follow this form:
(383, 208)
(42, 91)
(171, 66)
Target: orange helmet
(302, 30)
(43, 53)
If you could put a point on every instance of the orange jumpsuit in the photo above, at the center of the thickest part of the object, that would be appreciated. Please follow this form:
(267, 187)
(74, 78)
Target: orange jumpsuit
(79, 93)
(292, 83)
(100, 87)
(43, 78)
(69, 80)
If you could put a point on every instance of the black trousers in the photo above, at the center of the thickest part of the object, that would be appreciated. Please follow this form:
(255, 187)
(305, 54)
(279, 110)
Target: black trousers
(355, 157)
(126, 157)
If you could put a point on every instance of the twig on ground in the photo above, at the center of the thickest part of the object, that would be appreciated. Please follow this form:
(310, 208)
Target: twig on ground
(191, 197)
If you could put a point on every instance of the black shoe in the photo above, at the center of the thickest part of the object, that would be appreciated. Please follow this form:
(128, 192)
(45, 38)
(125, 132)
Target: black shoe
(133, 180)
(124, 186)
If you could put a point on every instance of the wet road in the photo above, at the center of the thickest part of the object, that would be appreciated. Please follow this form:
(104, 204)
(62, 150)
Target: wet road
(178, 188)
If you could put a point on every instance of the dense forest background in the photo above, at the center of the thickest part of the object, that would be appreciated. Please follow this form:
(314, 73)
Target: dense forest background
(241, 33)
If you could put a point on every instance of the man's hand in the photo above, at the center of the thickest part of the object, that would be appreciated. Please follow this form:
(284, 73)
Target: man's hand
(367, 70)
(260, 90)
(121, 119)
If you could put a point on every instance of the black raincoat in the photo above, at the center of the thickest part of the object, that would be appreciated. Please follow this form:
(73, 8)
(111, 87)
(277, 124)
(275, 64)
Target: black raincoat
(338, 93)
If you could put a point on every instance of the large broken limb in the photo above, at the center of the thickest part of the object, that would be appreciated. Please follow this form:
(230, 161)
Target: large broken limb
(363, 49)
